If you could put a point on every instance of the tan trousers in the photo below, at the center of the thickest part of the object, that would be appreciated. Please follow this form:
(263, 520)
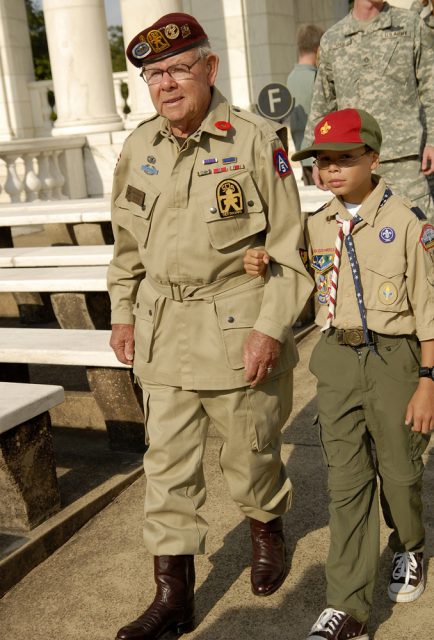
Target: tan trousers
(362, 401)
(249, 422)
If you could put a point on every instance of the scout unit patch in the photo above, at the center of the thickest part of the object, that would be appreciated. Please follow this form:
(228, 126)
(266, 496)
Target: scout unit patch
(322, 264)
(281, 162)
(427, 237)
(229, 198)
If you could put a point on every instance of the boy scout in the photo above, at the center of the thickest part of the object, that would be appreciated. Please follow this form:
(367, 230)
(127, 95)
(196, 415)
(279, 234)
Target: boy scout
(373, 258)
(195, 186)
(381, 58)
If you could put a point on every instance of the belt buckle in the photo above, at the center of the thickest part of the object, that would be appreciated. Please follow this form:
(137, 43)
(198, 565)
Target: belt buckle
(175, 290)
(354, 337)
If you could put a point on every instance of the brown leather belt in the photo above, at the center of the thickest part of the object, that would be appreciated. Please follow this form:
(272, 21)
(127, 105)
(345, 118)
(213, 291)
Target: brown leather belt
(355, 337)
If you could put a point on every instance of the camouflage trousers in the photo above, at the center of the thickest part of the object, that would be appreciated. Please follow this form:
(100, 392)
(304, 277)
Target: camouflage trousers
(405, 178)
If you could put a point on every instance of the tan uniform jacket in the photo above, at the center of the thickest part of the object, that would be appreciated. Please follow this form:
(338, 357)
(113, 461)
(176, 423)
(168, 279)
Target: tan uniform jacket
(396, 267)
(179, 234)
(385, 67)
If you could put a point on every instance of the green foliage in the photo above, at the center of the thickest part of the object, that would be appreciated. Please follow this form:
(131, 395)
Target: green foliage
(117, 49)
(38, 39)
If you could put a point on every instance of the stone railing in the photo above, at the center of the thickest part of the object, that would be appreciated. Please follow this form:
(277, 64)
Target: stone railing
(44, 113)
(42, 169)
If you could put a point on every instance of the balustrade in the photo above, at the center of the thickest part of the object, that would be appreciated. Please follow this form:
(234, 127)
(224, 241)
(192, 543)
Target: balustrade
(37, 169)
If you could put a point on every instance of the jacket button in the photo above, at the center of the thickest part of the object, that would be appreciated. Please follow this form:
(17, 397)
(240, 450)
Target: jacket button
(250, 203)
(150, 312)
(213, 210)
(231, 319)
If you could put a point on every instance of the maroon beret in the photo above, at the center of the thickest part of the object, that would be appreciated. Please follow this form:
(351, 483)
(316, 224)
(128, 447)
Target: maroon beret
(171, 34)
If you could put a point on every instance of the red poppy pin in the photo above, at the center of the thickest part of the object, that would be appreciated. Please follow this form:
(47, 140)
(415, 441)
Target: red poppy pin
(223, 125)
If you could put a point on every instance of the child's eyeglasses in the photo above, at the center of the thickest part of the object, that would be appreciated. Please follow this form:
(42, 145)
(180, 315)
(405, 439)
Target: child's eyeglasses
(349, 161)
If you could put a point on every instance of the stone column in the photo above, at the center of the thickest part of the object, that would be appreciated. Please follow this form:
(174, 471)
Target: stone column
(16, 70)
(136, 15)
(81, 67)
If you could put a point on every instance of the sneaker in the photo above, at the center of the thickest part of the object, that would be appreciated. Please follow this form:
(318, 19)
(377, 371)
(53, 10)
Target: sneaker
(337, 625)
(406, 582)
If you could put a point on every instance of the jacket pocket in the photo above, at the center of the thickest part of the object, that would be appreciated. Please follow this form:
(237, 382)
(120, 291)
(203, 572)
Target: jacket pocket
(145, 313)
(232, 210)
(139, 199)
(384, 284)
(236, 315)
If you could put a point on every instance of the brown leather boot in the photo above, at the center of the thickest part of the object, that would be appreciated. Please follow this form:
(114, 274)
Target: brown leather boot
(173, 605)
(269, 556)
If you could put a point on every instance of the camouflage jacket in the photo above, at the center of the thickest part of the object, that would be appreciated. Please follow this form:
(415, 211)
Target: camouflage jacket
(385, 67)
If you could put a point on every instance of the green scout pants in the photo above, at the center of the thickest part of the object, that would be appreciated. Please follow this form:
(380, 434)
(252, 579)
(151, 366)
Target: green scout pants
(176, 421)
(362, 400)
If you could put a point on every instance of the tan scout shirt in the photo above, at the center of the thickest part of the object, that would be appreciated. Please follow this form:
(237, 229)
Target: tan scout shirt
(395, 252)
(385, 67)
(180, 234)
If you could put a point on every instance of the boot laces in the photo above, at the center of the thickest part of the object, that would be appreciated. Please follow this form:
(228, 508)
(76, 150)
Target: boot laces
(404, 566)
(329, 620)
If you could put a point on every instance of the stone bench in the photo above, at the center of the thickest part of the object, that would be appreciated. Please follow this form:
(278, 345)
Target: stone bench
(28, 482)
(111, 382)
(78, 294)
(56, 256)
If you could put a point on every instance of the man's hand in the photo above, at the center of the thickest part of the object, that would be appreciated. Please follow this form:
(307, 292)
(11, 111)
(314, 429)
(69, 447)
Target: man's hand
(420, 410)
(255, 262)
(122, 342)
(317, 178)
(428, 161)
(261, 353)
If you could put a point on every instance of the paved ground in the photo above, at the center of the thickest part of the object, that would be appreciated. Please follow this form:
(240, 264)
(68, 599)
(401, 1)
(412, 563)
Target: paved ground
(102, 577)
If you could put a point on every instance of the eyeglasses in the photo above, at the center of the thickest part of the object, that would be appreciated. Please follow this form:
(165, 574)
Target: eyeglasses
(344, 162)
(175, 71)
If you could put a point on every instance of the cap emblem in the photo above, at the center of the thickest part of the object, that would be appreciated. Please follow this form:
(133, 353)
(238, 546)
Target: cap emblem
(185, 30)
(158, 41)
(141, 50)
(325, 128)
(172, 31)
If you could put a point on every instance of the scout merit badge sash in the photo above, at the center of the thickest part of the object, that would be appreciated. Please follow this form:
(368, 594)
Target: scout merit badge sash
(345, 231)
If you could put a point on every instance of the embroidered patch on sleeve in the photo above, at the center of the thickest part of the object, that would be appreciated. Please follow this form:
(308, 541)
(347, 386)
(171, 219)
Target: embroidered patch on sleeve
(281, 162)
(427, 237)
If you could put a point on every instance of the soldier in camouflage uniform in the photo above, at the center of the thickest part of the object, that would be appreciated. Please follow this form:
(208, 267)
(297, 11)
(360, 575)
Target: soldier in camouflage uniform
(381, 58)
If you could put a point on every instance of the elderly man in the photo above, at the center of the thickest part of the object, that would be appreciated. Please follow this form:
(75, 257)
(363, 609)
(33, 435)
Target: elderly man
(196, 185)
(381, 59)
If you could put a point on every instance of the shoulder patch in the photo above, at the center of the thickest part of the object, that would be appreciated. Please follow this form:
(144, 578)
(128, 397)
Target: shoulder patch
(281, 162)
(427, 237)
(418, 213)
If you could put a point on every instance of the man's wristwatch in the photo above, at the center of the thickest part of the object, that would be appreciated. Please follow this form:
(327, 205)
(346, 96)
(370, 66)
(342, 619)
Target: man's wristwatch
(426, 372)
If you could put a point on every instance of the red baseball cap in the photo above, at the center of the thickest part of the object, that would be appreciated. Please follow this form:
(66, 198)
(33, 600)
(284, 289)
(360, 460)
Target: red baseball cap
(171, 34)
(344, 129)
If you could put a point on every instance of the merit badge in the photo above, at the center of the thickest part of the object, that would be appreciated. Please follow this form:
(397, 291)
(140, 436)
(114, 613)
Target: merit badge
(141, 50)
(229, 159)
(158, 41)
(281, 162)
(387, 234)
(151, 159)
(135, 195)
(205, 172)
(210, 160)
(223, 125)
(388, 293)
(149, 169)
(185, 30)
(322, 262)
(229, 198)
(427, 237)
(172, 31)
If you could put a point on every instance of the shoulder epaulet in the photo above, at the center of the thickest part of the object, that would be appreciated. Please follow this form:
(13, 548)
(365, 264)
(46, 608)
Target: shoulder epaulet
(324, 206)
(418, 213)
(148, 119)
(254, 118)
